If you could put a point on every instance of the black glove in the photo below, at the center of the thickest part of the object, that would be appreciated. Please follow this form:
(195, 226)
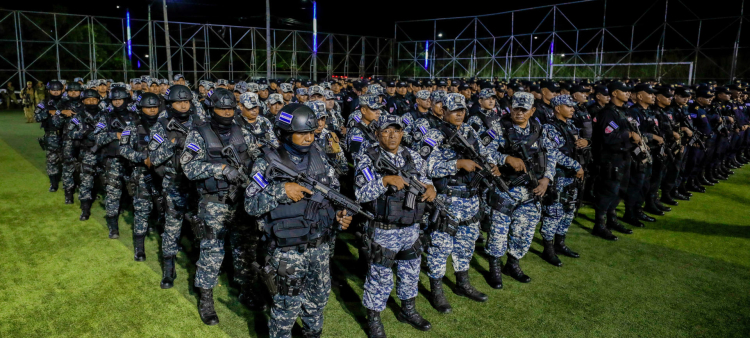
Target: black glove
(231, 174)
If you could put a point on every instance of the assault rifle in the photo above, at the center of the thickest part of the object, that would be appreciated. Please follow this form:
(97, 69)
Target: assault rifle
(234, 160)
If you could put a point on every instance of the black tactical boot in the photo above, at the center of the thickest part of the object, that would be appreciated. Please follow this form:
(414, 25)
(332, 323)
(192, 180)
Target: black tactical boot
(600, 228)
(659, 205)
(69, 196)
(613, 224)
(693, 185)
(375, 325)
(114, 229)
(561, 248)
(168, 273)
(465, 289)
(549, 253)
(512, 269)
(631, 217)
(140, 251)
(54, 183)
(683, 190)
(496, 277)
(251, 299)
(702, 180)
(437, 298)
(410, 315)
(206, 307)
(311, 334)
(667, 198)
(651, 207)
(714, 176)
(643, 217)
(85, 210)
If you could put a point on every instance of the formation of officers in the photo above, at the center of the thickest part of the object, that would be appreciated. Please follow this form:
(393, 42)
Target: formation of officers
(414, 168)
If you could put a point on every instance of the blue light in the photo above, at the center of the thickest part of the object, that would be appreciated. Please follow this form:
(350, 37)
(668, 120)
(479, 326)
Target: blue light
(315, 26)
(426, 53)
(139, 63)
(127, 18)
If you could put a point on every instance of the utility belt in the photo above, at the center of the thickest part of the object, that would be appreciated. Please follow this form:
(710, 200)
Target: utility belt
(610, 172)
(222, 197)
(450, 226)
(378, 254)
(500, 204)
(311, 244)
(451, 192)
(564, 197)
(387, 226)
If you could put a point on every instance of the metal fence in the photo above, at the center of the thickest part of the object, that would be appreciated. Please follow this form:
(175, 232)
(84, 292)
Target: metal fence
(42, 46)
(669, 41)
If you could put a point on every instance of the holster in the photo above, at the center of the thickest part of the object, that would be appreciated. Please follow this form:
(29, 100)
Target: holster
(500, 204)
(268, 275)
(42, 143)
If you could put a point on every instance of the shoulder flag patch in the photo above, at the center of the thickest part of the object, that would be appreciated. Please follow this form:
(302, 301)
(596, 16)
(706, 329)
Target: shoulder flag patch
(125, 133)
(423, 129)
(430, 141)
(357, 139)
(286, 118)
(258, 177)
(40, 105)
(492, 133)
(356, 118)
(368, 174)
(194, 147)
(158, 138)
(406, 121)
(101, 125)
(613, 124)
(75, 120)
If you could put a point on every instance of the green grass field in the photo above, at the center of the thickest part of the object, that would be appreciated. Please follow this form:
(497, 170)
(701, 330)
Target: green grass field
(687, 275)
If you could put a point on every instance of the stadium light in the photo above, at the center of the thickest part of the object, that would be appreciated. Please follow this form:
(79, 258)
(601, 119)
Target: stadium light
(426, 53)
(315, 26)
(440, 35)
(127, 18)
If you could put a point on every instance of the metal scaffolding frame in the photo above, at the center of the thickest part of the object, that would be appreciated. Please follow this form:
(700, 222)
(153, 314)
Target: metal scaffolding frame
(674, 45)
(40, 46)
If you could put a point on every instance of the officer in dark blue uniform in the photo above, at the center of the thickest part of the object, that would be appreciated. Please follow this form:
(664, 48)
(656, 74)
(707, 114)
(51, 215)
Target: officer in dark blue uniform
(702, 122)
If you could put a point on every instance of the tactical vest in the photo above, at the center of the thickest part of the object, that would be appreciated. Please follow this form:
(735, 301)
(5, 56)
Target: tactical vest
(487, 119)
(179, 141)
(569, 148)
(47, 123)
(389, 208)
(307, 220)
(462, 178)
(214, 146)
(368, 136)
(143, 136)
(537, 157)
(116, 123)
(584, 120)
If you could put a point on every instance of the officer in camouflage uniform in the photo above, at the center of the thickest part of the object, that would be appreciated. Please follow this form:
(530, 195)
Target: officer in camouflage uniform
(296, 226)
(81, 130)
(118, 116)
(432, 120)
(215, 156)
(70, 106)
(273, 105)
(560, 202)
(335, 122)
(249, 118)
(459, 231)
(394, 234)
(134, 148)
(362, 133)
(47, 113)
(326, 139)
(167, 141)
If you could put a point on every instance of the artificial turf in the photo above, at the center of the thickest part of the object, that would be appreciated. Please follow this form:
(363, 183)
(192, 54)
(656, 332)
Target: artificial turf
(686, 275)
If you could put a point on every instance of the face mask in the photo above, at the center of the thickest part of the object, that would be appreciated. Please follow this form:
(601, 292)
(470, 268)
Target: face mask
(223, 121)
(74, 98)
(91, 108)
(150, 119)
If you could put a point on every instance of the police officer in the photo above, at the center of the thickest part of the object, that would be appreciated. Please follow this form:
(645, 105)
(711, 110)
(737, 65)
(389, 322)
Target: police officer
(399, 104)
(432, 120)
(601, 99)
(83, 125)
(559, 206)
(119, 115)
(335, 121)
(362, 133)
(704, 124)
(612, 141)
(215, 156)
(134, 142)
(451, 174)
(48, 114)
(679, 108)
(273, 106)
(673, 147)
(298, 254)
(326, 139)
(483, 117)
(167, 141)
(71, 105)
(249, 118)
(287, 92)
(544, 111)
(394, 234)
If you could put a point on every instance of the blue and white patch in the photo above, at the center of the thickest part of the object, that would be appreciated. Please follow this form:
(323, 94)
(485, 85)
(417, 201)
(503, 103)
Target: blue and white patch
(40, 105)
(357, 139)
(613, 124)
(368, 174)
(125, 133)
(286, 118)
(75, 121)
(158, 138)
(430, 141)
(194, 147)
(693, 115)
(210, 92)
(167, 92)
(537, 120)
(258, 178)
(133, 108)
(492, 133)
(423, 129)
(101, 125)
(357, 118)
(406, 121)
(557, 140)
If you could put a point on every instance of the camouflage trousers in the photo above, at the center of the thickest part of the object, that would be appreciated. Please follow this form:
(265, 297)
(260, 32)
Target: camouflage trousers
(243, 237)
(460, 247)
(176, 196)
(142, 200)
(379, 281)
(513, 232)
(114, 176)
(556, 220)
(54, 154)
(217, 218)
(311, 271)
(70, 162)
(88, 174)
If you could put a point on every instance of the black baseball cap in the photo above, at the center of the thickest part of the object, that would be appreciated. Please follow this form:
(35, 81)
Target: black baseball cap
(644, 87)
(683, 91)
(551, 85)
(601, 90)
(618, 85)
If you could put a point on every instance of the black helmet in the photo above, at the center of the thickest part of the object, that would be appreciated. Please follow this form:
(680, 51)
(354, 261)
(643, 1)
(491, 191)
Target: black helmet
(74, 86)
(119, 93)
(296, 118)
(88, 93)
(55, 85)
(149, 100)
(179, 93)
(223, 99)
